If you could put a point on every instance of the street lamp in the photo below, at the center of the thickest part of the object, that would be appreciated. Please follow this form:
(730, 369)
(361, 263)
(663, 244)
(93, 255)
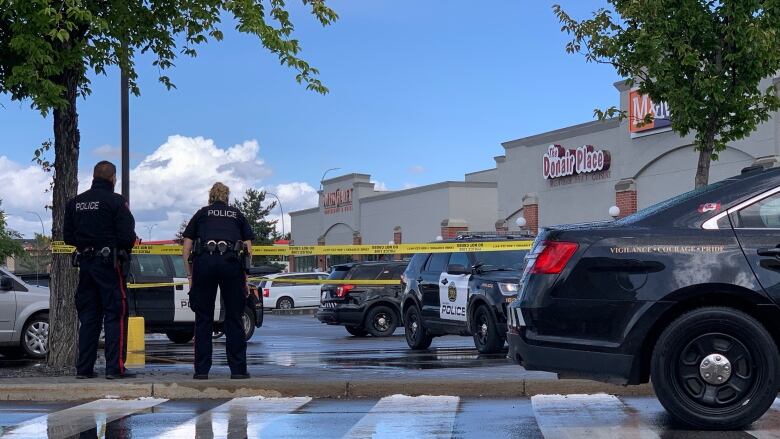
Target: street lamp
(38, 256)
(280, 208)
(326, 173)
(149, 230)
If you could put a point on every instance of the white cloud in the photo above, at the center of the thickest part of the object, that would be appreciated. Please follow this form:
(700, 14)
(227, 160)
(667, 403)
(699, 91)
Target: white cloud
(410, 185)
(294, 196)
(417, 169)
(107, 152)
(380, 186)
(166, 187)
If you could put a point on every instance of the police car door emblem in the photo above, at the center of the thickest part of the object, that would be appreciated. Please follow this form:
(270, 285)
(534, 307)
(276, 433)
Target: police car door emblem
(452, 292)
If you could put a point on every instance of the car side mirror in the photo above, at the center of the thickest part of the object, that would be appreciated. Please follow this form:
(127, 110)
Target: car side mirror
(6, 284)
(457, 269)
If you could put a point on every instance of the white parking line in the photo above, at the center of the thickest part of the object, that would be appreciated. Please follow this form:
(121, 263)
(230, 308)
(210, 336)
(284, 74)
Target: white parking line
(401, 416)
(587, 416)
(78, 419)
(239, 417)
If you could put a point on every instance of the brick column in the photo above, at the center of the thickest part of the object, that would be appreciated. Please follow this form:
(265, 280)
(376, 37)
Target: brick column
(451, 228)
(531, 213)
(322, 260)
(502, 227)
(625, 196)
(357, 239)
(397, 239)
(291, 261)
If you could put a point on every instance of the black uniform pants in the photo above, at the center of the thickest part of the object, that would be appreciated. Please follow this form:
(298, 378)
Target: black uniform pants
(101, 301)
(210, 271)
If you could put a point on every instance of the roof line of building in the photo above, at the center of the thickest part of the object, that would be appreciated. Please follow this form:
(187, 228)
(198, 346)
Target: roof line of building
(429, 187)
(304, 211)
(570, 131)
(346, 177)
(480, 172)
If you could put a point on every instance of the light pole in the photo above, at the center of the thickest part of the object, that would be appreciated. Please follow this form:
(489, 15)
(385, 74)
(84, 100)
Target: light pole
(280, 208)
(38, 256)
(326, 173)
(149, 230)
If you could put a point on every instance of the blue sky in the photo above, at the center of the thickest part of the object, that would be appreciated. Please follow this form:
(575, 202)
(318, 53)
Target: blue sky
(421, 91)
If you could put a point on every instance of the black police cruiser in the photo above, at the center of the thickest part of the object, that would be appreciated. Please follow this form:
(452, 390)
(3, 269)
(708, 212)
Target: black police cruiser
(166, 308)
(363, 309)
(463, 293)
(683, 293)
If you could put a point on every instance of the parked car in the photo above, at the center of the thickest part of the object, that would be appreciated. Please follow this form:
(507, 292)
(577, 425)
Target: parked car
(24, 317)
(683, 294)
(463, 293)
(364, 309)
(166, 309)
(279, 293)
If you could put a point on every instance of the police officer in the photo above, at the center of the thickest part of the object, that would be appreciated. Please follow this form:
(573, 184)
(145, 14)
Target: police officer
(99, 224)
(215, 240)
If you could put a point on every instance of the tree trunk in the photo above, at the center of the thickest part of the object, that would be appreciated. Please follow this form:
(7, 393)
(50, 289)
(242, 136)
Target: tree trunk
(63, 329)
(705, 158)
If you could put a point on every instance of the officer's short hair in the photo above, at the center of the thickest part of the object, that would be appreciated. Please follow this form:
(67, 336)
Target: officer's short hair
(104, 170)
(219, 192)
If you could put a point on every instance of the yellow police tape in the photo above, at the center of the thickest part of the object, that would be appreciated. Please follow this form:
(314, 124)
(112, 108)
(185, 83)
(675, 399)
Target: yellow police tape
(285, 280)
(322, 250)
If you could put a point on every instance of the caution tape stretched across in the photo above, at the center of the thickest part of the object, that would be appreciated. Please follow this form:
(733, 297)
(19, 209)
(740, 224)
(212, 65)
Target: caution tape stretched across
(322, 250)
(135, 286)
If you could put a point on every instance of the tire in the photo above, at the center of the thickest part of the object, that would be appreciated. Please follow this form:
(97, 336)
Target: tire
(248, 323)
(487, 338)
(285, 303)
(416, 335)
(357, 331)
(381, 321)
(180, 336)
(35, 336)
(715, 335)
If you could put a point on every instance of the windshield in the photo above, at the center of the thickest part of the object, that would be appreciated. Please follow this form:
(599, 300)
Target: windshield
(339, 272)
(512, 259)
(671, 202)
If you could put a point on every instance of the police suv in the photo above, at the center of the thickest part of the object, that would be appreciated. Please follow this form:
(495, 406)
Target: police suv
(684, 294)
(166, 308)
(463, 293)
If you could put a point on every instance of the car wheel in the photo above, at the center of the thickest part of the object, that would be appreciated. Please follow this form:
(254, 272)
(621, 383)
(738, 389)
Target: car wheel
(248, 323)
(35, 336)
(357, 331)
(381, 321)
(180, 336)
(716, 369)
(416, 335)
(285, 303)
(487, 339)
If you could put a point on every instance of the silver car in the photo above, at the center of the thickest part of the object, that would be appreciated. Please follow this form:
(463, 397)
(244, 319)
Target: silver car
(24, 317)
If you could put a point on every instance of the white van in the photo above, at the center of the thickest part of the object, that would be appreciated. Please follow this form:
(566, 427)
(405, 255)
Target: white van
(279, 293)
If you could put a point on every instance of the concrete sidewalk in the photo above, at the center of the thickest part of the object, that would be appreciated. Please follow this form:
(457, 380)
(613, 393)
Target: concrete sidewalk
(180, 386)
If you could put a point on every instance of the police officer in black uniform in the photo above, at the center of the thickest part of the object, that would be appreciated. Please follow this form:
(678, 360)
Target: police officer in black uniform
(99, 224)
(216, 240)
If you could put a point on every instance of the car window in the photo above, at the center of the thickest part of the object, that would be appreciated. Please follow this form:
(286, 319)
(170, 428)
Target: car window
(514, 259)
(152, 265)
(178, 267)
(460, 259)
(339, 272)
(280, 281)
(391, 272)
(438, 262)
(365, 272)
(417, 263)
(764, 214)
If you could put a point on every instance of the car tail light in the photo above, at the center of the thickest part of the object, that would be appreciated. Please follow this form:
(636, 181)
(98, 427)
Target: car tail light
(553, 257)
(342, 290)
(266, 292)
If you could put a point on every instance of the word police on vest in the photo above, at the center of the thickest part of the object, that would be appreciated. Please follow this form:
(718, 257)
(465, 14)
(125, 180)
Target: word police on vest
(223, 213)
(92, 205)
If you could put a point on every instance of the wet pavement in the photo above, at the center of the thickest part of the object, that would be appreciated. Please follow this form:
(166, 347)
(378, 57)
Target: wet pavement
(543, 416)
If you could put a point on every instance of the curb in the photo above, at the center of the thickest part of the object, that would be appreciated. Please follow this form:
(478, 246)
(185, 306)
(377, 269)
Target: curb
(225, 388)
(294, 311)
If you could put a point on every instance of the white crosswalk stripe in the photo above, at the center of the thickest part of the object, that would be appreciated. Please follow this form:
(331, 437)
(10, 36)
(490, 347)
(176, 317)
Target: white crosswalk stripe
(239, 418)
(591, 416)
(401, 416)
(81, 418)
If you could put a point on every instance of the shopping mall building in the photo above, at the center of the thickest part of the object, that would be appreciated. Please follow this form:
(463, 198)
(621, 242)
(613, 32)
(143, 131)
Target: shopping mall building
(572, 174)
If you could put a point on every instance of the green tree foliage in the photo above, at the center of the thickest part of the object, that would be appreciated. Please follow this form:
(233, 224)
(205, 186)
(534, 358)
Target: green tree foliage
(9, 246)
(705, 58)
(49, 49)
(252, 206)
